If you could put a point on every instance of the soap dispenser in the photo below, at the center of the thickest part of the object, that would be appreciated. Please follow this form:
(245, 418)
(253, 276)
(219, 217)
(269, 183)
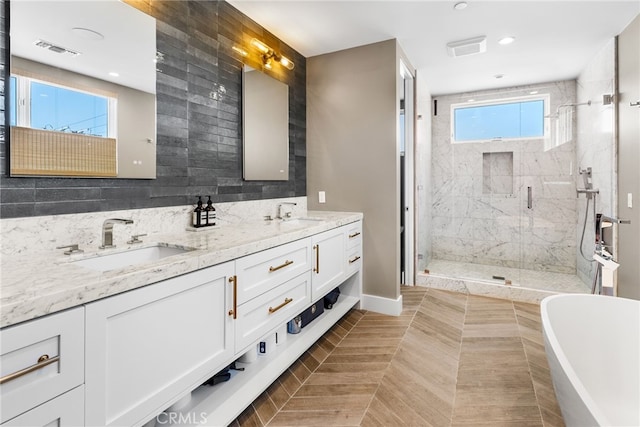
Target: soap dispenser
(211, 212)
(199, 215)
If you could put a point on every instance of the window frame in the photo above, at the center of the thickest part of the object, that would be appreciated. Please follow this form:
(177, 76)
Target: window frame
(544, 97)
(23, 105)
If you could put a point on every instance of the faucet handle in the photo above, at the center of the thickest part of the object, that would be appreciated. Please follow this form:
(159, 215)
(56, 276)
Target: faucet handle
(135, 238)
(72, 249)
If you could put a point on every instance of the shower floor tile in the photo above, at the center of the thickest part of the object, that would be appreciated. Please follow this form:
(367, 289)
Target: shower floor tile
(523, 278)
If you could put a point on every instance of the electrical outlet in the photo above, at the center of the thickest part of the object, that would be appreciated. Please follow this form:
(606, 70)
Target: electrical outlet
(321, 197)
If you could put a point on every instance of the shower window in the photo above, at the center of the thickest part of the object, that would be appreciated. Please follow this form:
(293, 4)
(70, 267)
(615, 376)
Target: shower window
(520, 118)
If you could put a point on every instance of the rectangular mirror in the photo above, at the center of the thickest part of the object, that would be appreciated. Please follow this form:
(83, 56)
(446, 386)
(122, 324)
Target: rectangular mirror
(265, 127)
(82, 90)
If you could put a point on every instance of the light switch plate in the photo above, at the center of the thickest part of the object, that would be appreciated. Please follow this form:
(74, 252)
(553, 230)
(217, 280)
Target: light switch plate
(321, 197)
(629, 200)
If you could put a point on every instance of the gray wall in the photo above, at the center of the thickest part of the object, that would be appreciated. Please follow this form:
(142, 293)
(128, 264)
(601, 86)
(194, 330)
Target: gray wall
(352, 115)
(199, 137)
(629, 160)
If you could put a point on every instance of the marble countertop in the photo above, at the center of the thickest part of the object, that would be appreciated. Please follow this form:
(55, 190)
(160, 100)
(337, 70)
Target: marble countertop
(38, 285)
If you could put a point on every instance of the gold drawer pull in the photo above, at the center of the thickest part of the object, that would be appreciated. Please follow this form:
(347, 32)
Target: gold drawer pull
(274, 309)
(356, 234)
(317, 268)
(43, 361)
(286, 263)
(351, 261)
(234, 311)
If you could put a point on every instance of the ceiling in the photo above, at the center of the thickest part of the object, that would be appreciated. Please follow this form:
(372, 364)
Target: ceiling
(127, 46)
(555, 40)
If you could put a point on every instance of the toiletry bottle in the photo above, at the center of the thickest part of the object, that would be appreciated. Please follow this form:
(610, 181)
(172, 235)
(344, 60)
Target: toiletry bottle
(211, 212)
(198, 214)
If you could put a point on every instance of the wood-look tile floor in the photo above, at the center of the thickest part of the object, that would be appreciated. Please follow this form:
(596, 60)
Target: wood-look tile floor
(449, 359)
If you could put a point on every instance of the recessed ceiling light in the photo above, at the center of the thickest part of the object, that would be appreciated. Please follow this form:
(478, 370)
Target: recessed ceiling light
(499, 76)
(470, 100)
(86, 33)
(506, 40)
(460, 6)
(533, 92)
(114, 74)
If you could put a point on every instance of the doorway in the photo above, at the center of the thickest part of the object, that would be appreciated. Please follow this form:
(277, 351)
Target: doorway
(406, 158)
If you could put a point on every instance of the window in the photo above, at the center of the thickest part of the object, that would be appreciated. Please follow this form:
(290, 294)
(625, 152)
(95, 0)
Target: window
(512, 119)
(59, 108)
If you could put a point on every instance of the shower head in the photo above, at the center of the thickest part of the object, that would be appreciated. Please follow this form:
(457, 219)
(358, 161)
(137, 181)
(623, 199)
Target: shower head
(572, 105)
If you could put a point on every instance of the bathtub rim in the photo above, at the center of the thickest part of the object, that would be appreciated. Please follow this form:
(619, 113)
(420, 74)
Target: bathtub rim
(576, 383)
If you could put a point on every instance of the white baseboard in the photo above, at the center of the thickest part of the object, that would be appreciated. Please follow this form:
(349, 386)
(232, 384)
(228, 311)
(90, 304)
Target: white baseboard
(392, 307)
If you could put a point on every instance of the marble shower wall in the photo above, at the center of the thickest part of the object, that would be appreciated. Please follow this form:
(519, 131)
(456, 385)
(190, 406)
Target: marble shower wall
(596, 148)
(479, 206)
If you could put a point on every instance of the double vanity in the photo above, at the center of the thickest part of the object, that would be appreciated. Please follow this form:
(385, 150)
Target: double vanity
(127, 336)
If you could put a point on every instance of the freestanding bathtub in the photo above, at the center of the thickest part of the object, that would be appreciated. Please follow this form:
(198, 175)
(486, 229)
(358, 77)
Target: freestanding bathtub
(593, 348)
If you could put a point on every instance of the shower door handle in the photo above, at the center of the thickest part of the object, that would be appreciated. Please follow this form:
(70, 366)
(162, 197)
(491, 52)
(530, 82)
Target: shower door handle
(529, 198)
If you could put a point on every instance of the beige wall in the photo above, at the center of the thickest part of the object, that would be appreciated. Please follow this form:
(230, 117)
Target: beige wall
(629, 160)
(352, 150)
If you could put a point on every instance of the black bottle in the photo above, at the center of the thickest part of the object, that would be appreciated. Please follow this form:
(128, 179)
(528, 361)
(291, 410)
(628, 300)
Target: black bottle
(211, 212)
(199, 214)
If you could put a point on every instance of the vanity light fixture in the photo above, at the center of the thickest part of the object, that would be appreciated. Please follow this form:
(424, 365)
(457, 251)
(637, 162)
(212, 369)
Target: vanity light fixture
(240, 50)
(269, 55)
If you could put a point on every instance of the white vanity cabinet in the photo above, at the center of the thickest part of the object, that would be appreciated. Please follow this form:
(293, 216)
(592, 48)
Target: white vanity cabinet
(147, 346)
(66, 410)
(329, 267)
(124, 359)
(40, 360)
(353, 239)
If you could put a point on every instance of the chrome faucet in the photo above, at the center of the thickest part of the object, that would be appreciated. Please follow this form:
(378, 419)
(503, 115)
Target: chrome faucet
(107, 231)
(288, 214)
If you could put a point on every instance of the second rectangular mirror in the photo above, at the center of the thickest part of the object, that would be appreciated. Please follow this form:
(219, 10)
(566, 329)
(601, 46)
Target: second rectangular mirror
(265, 127)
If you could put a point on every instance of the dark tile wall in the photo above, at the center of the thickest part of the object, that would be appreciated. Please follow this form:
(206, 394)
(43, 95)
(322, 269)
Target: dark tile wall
(199, 129)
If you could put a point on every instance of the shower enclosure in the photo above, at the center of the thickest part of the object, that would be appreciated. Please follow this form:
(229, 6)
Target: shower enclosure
(505, 211)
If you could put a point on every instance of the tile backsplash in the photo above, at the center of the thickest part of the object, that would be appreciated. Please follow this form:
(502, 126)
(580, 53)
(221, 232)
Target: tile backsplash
(43, 234)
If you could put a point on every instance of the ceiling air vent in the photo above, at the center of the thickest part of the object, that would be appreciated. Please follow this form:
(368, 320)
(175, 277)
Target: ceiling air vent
(55, 48)
(467, 47)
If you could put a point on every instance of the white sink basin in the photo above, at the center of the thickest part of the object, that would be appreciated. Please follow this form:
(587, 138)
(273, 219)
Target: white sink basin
(135, 256)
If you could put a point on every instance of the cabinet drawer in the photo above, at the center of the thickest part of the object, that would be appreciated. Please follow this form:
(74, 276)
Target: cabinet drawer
(353, 234)
(28, 379)
(354, 260)
(258, 316)
(63, 411)
(263, 271)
